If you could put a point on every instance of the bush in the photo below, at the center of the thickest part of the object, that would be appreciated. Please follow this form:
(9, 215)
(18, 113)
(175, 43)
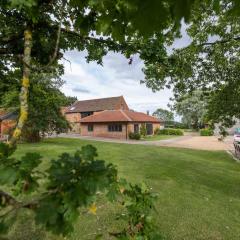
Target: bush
(168, 131)
(135, 136)
(176, 125)
(206, 132)
(143, 130)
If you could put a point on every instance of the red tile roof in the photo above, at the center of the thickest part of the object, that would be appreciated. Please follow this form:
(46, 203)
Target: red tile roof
(119, 116)
(95, 105)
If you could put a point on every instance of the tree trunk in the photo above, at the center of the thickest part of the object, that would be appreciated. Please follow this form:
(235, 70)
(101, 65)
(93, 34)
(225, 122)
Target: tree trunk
(25, 86)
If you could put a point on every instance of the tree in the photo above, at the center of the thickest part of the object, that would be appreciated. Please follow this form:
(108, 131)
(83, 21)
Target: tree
(209, 63)
(164, 114)
(70, 100)
(192, 108)
(45, 102)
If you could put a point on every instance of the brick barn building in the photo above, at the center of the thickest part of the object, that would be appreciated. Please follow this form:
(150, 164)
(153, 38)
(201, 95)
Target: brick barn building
(108, 117)
(82, 109)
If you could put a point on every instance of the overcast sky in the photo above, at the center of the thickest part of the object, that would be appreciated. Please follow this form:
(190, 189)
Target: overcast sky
(115, 78)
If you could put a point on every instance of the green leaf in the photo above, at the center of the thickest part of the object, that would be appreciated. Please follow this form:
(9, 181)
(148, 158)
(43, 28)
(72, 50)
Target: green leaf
(8, 175)
(30, 161)
(23, 3)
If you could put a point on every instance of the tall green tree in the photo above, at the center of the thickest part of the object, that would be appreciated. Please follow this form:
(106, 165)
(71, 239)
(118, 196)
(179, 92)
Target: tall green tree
(192, 108)
(164, 114)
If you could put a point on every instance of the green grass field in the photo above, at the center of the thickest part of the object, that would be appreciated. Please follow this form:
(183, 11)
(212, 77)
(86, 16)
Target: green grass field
(199, 191)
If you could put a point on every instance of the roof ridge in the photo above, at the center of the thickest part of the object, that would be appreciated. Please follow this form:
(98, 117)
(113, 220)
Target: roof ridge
(98, 98)
(125, 115)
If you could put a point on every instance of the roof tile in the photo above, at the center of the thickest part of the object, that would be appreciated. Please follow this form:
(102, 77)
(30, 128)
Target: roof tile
(94, 105)
(119, 116)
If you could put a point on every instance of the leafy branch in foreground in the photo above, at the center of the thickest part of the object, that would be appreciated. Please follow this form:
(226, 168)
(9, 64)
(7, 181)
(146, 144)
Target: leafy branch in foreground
(139, 203)
(71, 182)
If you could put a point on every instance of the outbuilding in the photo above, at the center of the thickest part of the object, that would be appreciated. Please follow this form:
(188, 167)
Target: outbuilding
(117, 124)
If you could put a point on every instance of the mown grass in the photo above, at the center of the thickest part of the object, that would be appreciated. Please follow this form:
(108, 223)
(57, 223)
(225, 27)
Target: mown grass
(199, 191)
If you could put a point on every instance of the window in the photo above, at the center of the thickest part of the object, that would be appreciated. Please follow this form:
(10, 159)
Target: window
(149, 128)
(115, 128)
(136, 128)
(86, 114)
(90, 127)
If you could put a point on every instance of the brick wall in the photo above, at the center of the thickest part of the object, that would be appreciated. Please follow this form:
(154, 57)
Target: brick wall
(122, 105)
(156, 125)
(74, 120)
(6, 126)
(73, 117)
(101, 130)
(131, 126)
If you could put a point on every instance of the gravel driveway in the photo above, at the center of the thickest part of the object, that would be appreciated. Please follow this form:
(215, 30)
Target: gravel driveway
(188, 141)
(198, 142)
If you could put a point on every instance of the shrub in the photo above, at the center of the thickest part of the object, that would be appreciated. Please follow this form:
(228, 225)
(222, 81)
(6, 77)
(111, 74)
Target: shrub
(168, 131)
(174, 124)
(223, 133)
(135, 136)
(156, 131)
(143, 130)
(206, 132)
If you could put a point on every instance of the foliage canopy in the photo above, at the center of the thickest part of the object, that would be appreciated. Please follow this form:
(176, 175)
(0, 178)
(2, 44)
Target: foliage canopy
(164, 114)
(209, 63)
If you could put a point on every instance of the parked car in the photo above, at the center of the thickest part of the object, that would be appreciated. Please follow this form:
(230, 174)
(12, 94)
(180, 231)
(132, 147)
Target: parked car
(237, 135)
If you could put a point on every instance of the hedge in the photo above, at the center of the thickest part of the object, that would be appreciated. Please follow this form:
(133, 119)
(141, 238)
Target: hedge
(135, 136)
(168, 131)
(206, 132)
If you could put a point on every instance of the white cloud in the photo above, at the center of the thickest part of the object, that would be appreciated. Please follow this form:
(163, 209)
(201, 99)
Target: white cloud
(116, 77)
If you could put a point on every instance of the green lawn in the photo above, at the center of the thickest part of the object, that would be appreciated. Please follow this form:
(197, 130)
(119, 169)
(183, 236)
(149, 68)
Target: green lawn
(199, 191)
(158, 137)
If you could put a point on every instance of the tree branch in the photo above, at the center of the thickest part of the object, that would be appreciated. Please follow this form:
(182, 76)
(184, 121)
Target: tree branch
(98, 40)
(7, 198)
(11, 201)
(219, 41)
(7, 51)
(56, 49)
(8, 39)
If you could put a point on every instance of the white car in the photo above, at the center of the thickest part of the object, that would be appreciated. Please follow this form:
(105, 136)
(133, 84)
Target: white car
(237, 135)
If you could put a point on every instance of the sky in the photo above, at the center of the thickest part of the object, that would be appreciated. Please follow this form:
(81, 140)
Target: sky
(115, 78)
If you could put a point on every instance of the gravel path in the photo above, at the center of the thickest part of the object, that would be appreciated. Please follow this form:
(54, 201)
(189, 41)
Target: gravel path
(187, 141)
